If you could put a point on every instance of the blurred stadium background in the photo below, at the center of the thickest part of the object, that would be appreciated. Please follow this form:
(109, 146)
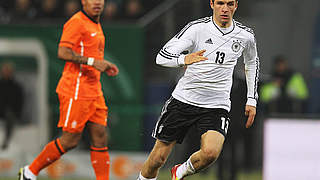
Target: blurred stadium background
(283, 144)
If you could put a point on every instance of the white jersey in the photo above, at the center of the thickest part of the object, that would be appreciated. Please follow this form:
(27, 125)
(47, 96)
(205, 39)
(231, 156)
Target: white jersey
(208, 83)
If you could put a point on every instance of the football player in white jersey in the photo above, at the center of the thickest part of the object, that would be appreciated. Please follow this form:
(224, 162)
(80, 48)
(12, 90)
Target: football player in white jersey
(202, 95)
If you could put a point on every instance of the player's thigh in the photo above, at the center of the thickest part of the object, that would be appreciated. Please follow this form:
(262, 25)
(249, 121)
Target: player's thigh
(212, 142)
(213, 126)
(69, 140)
(97, 133)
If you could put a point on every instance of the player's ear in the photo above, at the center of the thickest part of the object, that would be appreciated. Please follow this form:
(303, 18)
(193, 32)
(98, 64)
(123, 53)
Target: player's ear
(237, 2)
(211, 3)
(82, 2)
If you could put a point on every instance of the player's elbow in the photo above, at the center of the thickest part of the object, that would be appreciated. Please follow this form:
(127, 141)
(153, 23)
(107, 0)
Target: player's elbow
(60, 53)
(63, 53)
(159, 60)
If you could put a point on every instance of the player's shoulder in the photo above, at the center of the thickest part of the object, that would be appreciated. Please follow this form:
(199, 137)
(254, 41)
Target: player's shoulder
(248, 30)
(76, 18)
(194, 25)
(200, 21)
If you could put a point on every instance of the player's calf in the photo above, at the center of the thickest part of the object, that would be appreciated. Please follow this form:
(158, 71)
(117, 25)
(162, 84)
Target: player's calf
(209, 155)
(152, 165)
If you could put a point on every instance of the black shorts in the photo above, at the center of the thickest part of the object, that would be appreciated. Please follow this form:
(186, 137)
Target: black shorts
(177, 117)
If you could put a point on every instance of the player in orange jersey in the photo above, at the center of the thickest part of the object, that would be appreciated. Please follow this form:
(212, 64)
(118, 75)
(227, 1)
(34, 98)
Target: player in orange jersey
(81, 100)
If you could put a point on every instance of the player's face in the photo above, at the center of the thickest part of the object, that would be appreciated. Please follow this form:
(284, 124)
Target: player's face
(93, 7)
(223, 11)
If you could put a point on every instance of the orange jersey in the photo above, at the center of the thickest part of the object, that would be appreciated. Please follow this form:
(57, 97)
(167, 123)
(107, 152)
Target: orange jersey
(85, 37)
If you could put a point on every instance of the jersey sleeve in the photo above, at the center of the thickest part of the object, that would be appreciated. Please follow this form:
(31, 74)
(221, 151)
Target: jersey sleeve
(71, 34)
(171, 54)
(252, 62)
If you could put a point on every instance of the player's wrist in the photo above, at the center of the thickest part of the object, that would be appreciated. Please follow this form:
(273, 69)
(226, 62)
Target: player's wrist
(109, 64)
(90, 61)
(181, 60)
(251, 102)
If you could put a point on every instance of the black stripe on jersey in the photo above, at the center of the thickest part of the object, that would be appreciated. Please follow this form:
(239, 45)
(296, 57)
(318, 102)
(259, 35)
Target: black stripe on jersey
(189, 25)
(165, 56)
(164, 51)
(256, 79)
(222, 31)
(202, 20)
(171, 53)
(199, 20)
(250, 30)
(168, 55)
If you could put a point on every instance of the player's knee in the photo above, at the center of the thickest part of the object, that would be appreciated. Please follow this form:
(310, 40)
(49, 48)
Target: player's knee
(70, 145)
(100, 134)
(99, 138)
(211, 154)
(99, 143)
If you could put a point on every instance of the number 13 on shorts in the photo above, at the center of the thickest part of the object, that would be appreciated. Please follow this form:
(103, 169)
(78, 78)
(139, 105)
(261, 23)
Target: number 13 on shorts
(225, 124)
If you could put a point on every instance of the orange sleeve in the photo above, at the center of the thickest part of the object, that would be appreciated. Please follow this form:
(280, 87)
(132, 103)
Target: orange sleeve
(71, 34)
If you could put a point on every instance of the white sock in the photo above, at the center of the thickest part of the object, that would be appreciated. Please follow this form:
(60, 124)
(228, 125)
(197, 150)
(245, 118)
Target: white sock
(29, 174)
(185, 169)
(143, 178)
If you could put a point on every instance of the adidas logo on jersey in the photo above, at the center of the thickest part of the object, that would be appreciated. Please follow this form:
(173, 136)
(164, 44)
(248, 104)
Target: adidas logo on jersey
(209, 41)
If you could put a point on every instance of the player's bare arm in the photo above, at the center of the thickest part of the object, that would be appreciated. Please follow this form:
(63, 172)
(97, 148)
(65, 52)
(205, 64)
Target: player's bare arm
(68, 54)
(195, 57)
(250, 111)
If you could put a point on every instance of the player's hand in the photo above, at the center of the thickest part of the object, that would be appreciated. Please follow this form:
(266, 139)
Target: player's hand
(195, 57)
(250, 111)
(101, 65)
(112, 70)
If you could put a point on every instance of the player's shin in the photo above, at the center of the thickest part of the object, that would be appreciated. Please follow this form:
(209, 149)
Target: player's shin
(50, 153)
(100, 161)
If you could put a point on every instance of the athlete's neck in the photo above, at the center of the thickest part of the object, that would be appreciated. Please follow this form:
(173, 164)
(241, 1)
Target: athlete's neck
(96, 18)
(222, 24)
(93, 18)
